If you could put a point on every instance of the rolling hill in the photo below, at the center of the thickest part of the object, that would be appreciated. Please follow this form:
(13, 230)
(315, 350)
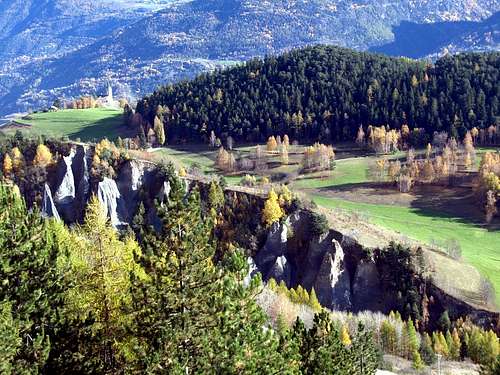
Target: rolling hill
(65, 48)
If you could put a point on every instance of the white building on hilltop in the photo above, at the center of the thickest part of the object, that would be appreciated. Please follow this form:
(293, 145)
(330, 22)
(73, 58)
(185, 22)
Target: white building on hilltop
(109, 101)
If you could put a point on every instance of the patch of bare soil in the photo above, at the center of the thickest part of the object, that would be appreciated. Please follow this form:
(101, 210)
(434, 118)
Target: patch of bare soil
(15, 125)
(400, 365)
(454, 201)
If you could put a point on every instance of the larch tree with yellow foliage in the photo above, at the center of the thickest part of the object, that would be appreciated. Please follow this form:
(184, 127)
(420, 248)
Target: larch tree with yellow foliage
(272, 210)
(272, 144)
(344, 336)
(17, 160)
(286, 140)
(102, 265)
(7, 166)
(43, 156)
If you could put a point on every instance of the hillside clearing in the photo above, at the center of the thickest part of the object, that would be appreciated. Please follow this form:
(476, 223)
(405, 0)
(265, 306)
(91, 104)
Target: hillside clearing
(84, 124)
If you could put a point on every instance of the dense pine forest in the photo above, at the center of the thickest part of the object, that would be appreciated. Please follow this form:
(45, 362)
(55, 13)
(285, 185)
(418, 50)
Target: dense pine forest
(326, 93)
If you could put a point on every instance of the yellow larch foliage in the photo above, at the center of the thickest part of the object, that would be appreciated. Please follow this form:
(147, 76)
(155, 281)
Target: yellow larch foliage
(272, 144)
(428, 151)
(43, 156)
(286, 141)
(286, 196)
(474, 132)
(7, 165)
(272, 211)
(182, 172)
(17, 160)
(102, 146)
(344, 336)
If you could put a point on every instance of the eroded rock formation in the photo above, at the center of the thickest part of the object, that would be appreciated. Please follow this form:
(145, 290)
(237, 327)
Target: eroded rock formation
(49, 209)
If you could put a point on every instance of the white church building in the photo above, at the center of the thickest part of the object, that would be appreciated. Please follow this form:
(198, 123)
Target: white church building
(109, 101)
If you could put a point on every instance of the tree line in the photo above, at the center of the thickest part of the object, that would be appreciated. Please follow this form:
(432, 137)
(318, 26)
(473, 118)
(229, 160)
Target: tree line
(325, 93)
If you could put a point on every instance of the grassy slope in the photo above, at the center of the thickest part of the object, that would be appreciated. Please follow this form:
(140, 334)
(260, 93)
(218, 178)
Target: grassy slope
(480, 247)
(86, 124)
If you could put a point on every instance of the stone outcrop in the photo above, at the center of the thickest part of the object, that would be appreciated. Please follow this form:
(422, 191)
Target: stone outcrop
(81, 172)
(112, 201)
(321, 265)
(49, 209)
(65, 194)
(332, 284)
(252, 271)
(165, 192)
(366, 288)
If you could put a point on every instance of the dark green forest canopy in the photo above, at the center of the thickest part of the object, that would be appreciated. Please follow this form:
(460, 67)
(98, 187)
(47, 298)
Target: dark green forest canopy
(325, 93)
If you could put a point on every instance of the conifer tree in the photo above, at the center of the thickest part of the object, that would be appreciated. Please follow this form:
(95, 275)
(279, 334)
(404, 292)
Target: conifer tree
(388, 337)
(455, 345)
(7, 166)
(102, 265)
(11, 341)
(426, 351)
(284, 155)
(215, 196)
(444, 321)
(344, 336)
(445, 351)
(191, 315)
(413, 342)
(322, 351)
(33, 284)
(272, 145)
(313, 301)
(417, 362)
(159, 130)
(286, 141)
(17, 160)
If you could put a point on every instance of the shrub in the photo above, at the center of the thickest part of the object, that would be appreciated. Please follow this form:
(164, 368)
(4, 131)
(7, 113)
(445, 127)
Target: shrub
(318, 224)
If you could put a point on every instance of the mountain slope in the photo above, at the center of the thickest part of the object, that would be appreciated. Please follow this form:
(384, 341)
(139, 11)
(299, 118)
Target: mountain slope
(416, 40)
(325, 93)
(125, 41)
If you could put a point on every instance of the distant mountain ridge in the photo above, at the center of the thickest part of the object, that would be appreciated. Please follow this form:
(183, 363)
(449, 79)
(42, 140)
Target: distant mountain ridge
(65, 48)
(428, 39)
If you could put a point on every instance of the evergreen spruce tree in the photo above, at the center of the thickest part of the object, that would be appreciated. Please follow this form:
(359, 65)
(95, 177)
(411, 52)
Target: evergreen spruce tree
(444, 322)
(322, 351)
(190, 314)
(426, 351)
(32, 287)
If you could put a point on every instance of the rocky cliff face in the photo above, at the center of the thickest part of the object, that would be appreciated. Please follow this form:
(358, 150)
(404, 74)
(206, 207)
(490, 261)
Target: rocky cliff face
(342, 280)
(118, 196)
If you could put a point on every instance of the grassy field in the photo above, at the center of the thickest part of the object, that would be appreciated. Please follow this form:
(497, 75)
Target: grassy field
(480, 247)
(187, 156)
(348, 171)
(84, 124)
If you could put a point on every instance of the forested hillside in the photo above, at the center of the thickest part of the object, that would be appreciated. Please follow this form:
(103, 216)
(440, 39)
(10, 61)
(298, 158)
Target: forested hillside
(326, 93)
